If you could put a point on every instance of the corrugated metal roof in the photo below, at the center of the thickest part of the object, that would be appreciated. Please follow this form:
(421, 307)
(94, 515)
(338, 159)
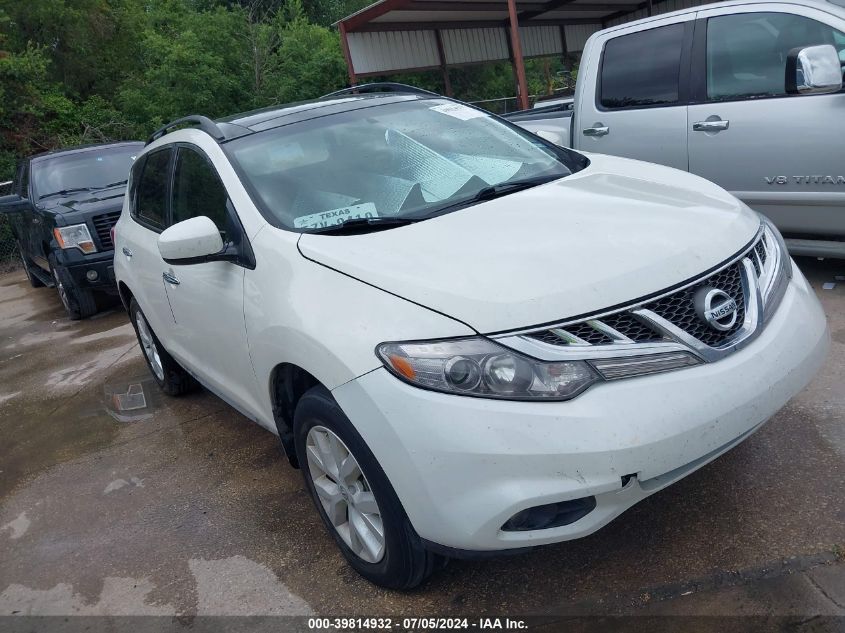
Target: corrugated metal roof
(395, 35)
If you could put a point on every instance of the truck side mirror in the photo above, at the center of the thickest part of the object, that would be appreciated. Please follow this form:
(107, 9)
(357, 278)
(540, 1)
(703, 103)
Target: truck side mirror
(11, 203)
(813, 70)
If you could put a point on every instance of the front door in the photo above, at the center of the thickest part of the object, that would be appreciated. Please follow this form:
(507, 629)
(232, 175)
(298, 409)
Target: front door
(640, 105)
(207, 299)
(781, 154)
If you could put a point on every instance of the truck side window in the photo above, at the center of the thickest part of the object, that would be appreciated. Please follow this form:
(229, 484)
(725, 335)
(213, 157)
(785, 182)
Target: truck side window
(642, 69)
(151, 201)
(197, 190)
(746, 52)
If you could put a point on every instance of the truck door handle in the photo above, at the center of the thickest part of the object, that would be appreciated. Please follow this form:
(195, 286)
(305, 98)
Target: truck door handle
(710, 126)
(599, 130)
(127, 252)
(170, 278)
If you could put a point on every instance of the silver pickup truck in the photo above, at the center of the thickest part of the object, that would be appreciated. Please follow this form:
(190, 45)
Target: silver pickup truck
(747, 94)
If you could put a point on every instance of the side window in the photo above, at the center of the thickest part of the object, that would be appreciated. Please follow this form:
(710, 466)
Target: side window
(746, 52)
(642, 69)
(151, 197)
(197, 190)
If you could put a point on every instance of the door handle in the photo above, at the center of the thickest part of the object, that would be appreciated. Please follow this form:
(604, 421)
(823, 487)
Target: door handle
(127, 252)
(710, 126)
(170, 278)
(598, 130)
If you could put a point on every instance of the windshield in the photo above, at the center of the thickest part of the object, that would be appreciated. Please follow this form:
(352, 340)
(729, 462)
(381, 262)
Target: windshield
(401, 160)
(87, 170)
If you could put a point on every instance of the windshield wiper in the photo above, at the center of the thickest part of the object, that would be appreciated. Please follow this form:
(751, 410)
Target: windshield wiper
(364, 224)
(495, 191)
(504, 188)
(111, 184)
(64, 192)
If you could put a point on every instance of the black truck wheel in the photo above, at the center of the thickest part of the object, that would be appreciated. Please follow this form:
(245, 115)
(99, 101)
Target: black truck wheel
(78, 302)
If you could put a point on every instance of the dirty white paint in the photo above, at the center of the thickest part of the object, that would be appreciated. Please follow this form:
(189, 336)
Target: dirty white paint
(120, 596)
(18, 526)
(240, 586)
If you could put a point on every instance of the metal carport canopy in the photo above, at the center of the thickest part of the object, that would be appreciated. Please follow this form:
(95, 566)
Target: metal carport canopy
(411, 35)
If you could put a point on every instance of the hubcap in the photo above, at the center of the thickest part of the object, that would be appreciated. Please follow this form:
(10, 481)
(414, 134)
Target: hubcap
(345, 494)
(148, 344)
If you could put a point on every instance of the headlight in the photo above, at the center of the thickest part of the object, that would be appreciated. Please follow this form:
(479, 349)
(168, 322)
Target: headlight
(75, 236)
(776, 271)
(480, 367)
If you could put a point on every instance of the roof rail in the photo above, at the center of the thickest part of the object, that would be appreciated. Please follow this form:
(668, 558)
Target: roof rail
(205, 124)
(381, 86)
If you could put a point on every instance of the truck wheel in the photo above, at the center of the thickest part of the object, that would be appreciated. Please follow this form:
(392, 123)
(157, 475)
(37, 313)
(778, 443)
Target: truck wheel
(354, 497)
(171, 378)
(34, 281)
(78, 302)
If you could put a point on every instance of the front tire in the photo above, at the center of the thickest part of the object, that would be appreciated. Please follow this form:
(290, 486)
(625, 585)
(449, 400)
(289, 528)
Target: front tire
(169, 375)
(354, 498)
(78, 302)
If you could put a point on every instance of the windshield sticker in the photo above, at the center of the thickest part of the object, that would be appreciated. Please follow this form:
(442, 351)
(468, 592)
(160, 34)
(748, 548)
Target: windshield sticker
(336, 216)
(458, 111)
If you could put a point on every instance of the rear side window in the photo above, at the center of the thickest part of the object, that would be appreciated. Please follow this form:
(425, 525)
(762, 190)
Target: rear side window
(746, 53)
(642, 69)
(151, 196)
(197, 190)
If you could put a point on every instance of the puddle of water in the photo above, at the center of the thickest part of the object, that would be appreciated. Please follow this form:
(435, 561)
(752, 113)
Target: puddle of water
(132, 401)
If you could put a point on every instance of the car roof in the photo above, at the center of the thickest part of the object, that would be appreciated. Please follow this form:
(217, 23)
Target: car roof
(77, 149)
(824, 5)
(276, 116)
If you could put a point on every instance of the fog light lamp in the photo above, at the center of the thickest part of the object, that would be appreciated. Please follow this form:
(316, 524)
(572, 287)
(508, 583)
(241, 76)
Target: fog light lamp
(92, 275)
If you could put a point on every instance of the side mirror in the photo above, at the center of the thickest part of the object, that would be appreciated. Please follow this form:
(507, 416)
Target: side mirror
(193, 241)
(11, 203)
(813, 70)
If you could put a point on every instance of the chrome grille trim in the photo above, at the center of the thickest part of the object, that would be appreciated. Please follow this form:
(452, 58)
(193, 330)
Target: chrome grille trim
(757, 266)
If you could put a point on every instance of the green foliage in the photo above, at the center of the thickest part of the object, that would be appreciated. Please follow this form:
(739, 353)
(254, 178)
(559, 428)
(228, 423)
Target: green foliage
(88, 71)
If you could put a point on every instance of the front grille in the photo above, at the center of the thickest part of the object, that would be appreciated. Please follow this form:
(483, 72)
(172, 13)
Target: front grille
(677, 308)
(102, 226)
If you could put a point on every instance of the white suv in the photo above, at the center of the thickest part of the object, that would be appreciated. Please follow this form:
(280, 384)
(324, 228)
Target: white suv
(469, 339)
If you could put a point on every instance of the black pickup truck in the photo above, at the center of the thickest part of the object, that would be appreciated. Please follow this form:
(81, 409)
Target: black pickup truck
(62, 209)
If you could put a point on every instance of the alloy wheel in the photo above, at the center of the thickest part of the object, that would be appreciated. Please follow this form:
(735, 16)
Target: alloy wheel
(148, 344)
(344, 493)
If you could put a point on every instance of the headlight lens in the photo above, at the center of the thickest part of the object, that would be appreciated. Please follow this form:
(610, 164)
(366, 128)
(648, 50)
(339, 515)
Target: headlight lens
(75, 236)
(777, 270)
(479, 367)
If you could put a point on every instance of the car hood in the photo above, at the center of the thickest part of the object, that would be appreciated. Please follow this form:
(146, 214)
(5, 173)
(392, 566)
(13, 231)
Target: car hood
(614, 232)
(87, 202)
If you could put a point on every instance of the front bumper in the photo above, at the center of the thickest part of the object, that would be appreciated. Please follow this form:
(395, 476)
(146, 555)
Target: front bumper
(78, 266)
(463, 466)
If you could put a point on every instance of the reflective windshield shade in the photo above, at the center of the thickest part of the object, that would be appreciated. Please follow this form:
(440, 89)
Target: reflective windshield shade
(405, 160)
(90, 169)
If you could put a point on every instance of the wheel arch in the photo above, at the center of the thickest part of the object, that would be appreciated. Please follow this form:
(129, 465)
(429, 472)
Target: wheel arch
(288, 383)
(125, 294)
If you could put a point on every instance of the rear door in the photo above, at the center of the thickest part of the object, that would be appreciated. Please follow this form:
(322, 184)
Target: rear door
(149, 200)
(781, 154)
(635, 105)
(207, 299)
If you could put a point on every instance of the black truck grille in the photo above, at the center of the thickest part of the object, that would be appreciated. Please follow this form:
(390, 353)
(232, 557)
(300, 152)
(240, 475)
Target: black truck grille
(102, 226)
